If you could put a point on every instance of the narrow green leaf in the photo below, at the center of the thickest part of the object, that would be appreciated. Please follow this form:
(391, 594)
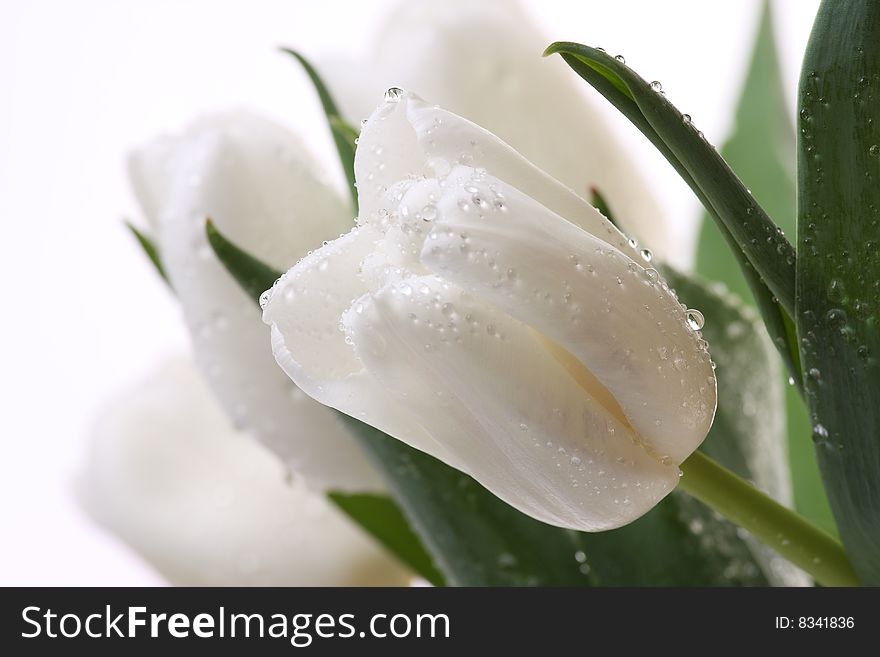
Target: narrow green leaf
(341, 131)
(598, 201)
(478, 540)
(761, 150)
(252, 275)
(383, 520)
(729, 200)
(838, 291)
(765, 256)
(150, 249)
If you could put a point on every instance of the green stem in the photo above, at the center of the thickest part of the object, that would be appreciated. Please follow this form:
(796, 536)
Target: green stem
(790, 534)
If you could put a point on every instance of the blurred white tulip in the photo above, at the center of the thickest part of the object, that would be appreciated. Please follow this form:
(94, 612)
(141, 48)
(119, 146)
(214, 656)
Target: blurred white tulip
(207, 505)
(496, 321)
(482, 60)
(263, 190)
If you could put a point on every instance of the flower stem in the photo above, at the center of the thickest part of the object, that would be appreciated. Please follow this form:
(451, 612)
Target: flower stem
(790, 534)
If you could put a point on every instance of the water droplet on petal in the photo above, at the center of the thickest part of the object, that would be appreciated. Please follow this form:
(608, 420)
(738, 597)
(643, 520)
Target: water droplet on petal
(695, 319)
(394, 94)
(646, 254)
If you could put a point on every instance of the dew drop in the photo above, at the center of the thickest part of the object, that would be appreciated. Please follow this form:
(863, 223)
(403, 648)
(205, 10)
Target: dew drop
(429, 212)
(695, 319)
(836, 317)
(646, 254)
(506, 560)
(580, 556)
(874, 150)
(633, 243)
(393, 94)
(686, 119)
(620, 58)
(656, 86)
(264, 299)
(820, 433)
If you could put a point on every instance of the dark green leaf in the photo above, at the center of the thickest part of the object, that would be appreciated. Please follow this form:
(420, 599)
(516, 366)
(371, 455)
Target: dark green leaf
(765, 256)
(252, 275)
(476, 539)
(149, 246)
(838, 292)
(761, 150)
(383, 520)
(341, 131)
(598, 201)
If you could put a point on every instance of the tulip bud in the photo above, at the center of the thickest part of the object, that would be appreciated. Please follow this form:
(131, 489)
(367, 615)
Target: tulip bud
(258, 184)
(484, 313)
(208, 506)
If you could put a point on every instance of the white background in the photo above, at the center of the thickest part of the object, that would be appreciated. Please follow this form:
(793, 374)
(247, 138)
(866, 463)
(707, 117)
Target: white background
(83, 82)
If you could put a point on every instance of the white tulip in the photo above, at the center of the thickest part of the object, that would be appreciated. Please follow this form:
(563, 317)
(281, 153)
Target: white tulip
(207, 505)
(483, 60)
(258, 184)
(493, 319)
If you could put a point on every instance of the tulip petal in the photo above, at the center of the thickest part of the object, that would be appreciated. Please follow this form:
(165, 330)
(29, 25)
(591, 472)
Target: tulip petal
(606, 310)
(208, 506)
(257, 183)
(481, 60)
(505, 412)
(407, 136)
(305, 312)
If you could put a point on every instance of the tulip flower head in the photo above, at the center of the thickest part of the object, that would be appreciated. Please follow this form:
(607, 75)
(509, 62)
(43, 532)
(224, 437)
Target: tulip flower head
(206, 505)
(484, 313)
(259, 185)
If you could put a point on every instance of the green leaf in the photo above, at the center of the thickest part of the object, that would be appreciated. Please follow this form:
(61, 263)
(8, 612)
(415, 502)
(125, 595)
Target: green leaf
(383, 520)
(761, 150)
(478, 540)
(150, 249)
(341, 131)
(252, 275)
(598, 201)
(838, 291)
(765, 256)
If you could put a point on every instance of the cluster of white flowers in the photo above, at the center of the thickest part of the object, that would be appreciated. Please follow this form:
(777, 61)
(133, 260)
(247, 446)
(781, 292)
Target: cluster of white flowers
(480, 311)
